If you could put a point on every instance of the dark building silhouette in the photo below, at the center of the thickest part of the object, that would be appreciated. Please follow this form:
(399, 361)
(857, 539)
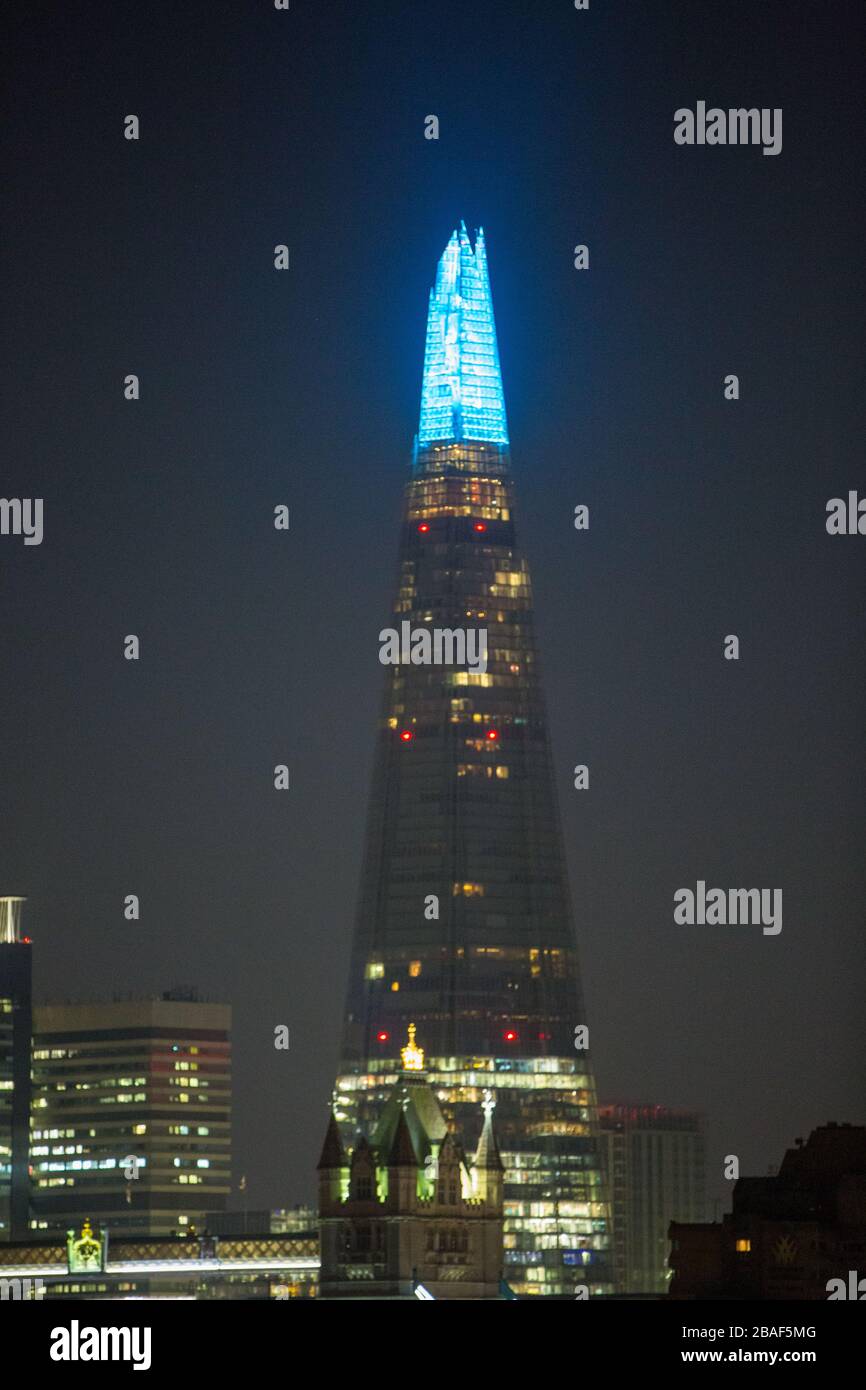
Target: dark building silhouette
(789, 1235)
(464, 922)
(16, 1025)
(406, 1207)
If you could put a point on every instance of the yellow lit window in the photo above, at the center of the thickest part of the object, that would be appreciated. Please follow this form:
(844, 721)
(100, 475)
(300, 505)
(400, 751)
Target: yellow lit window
(395, 986)
(471, 678)
(743, 1247)
(375, 970)
(414, 969)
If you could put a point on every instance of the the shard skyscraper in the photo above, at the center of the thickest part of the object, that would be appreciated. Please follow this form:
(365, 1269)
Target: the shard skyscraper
(464, 923)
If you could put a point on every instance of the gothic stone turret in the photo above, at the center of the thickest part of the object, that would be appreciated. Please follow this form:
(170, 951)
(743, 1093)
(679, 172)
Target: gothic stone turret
(405, 1207)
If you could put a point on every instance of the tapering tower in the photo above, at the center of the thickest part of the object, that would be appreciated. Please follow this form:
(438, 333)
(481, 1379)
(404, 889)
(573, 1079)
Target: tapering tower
(464, 923)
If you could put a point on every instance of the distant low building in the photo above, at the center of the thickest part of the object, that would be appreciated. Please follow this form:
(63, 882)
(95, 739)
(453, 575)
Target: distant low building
(298, 1220)
(404, 1213)
(788, 1235)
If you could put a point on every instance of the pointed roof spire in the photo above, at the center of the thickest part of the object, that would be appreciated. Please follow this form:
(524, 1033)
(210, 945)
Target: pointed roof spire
(402, 1151)
(333, 1150)
(487, 1154)
(461, 391)
(451, 1154)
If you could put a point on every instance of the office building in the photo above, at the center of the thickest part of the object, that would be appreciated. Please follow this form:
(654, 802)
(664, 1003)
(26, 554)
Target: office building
(131, 1120)
(656, 1174)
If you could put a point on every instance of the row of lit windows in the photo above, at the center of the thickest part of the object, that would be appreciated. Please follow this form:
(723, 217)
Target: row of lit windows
(97, 1050)
(525, 1073)
(501, 771)
(83, 1165)
(457, 497)
(425, 480)
(407, 603)
(491, 512)
(105, 1081)
(462, 706)
(428, 488)
(185, 1179)
(375, 969)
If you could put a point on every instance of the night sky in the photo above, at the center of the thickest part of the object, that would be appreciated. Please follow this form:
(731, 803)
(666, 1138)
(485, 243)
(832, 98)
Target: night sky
(258, 387)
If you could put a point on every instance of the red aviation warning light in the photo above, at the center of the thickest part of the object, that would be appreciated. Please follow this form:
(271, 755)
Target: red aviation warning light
(423, 528)
(383, 1036)
(480, 526)
(492, 734)
(406, 735)
(511, 1035)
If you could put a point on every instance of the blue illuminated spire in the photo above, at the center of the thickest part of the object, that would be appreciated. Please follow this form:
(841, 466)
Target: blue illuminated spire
(461, 395)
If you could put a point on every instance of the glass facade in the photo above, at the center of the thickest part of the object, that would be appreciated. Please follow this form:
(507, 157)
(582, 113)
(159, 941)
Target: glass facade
(656, 1175)
(461, 393)
(464, 923)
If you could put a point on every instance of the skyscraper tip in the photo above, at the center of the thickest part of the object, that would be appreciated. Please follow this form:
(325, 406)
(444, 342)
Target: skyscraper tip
(461, 392)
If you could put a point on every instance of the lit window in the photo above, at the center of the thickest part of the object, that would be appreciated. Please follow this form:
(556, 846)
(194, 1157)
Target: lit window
(484, 678)
(414, 969)
(743, 1247)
